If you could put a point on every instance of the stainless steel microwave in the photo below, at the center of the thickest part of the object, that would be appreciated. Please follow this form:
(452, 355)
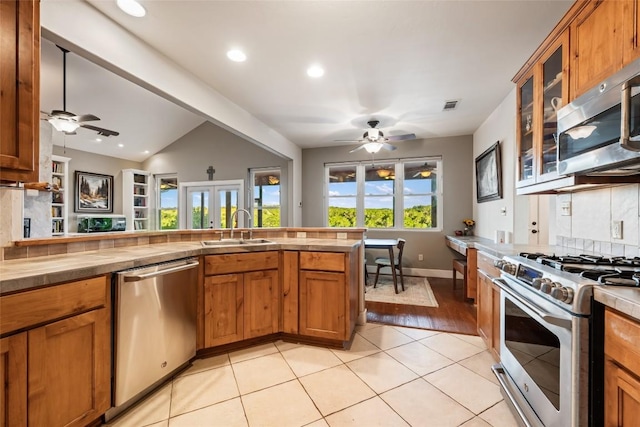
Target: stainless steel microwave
(599, 132)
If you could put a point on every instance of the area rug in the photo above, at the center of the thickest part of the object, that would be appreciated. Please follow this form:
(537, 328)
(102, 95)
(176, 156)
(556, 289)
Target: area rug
(417, 291)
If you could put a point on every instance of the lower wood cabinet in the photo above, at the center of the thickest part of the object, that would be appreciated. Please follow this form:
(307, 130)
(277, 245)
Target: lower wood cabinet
(621, 370)
(488, 303)
(242, 304)
(57, 371)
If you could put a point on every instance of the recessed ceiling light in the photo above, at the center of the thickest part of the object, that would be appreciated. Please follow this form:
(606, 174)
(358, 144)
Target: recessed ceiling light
(131, 7)
(236, 55)
(146, 151)
(315, 71)
(98, 140)
(120, 145)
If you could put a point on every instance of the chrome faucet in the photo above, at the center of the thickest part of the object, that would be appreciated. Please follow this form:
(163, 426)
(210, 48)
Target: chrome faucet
(235, 214)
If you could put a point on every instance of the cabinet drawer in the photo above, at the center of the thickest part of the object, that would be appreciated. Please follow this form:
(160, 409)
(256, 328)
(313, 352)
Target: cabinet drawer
(322, 261)
(30, 308)
(238, 263)
(622, 340)
(456, 247)
(485, 263)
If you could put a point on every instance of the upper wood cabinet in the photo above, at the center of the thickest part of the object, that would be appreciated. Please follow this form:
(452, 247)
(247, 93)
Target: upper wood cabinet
(541, 92)
(631, 32)
(19, 90)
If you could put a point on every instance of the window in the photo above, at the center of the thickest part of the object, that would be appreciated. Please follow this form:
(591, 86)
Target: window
(266, 197)
(167, 196)
(211, 204)
(385, 194)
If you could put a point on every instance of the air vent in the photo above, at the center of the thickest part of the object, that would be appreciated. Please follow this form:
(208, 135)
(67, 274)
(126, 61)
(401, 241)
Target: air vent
(450, 105)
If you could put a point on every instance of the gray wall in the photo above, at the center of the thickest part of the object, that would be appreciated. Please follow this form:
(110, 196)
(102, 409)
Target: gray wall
(230, 156)
(457, 161)
(96, 163)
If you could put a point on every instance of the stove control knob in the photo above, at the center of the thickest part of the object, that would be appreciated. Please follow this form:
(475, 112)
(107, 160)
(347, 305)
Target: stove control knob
(538, 281)
(498, 263)
(547, 286)
(509, 268)
(562, 294)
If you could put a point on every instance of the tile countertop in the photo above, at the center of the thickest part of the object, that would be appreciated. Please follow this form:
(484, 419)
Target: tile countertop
(26, 273)
(623, 299)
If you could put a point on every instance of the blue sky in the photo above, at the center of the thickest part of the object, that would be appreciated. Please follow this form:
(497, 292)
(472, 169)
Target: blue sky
(411, 186)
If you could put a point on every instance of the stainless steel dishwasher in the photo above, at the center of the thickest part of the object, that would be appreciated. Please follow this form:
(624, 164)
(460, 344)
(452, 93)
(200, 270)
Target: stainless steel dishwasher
(155, 327)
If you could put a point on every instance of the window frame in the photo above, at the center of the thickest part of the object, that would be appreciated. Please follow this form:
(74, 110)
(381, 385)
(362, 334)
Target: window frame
(252, 196)
(398, 193)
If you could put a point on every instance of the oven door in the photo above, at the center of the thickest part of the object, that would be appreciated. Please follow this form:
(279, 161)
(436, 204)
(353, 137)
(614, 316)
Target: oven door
(536, 352)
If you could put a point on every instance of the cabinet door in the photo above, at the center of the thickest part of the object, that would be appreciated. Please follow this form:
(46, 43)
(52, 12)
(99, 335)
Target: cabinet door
(70, 370)
(621, 396)
(223, 306)
(524, 128)
(485, 308)
(13, 381)
(261, 303)
(596, 38)
(495, 341)
(290, 292)
(19, 90)
(631, 14)
(323, 305)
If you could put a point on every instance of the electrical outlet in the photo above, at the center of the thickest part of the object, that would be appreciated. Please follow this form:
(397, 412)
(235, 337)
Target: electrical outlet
(301, 234)
(565, 208)
(420, 257)
(616, 229)
(341, 235)
(503, 211)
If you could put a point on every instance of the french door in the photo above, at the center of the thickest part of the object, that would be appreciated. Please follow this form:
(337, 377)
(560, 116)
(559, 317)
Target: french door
(210, 204)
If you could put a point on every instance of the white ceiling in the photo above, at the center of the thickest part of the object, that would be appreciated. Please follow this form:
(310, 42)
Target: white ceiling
(396, 61)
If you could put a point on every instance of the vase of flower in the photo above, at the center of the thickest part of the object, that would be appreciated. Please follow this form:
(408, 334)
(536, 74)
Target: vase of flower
(468, 227)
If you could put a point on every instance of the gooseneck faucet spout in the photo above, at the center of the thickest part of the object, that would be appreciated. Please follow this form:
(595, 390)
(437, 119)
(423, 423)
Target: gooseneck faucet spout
(235, 215)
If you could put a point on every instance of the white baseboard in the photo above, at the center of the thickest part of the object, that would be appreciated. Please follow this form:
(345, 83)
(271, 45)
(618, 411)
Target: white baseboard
(420, 272)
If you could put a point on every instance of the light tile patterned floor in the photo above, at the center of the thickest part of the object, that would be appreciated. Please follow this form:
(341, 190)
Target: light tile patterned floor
(392, 376)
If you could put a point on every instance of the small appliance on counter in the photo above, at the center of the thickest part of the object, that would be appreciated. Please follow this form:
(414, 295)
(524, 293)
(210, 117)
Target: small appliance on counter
(101, 223)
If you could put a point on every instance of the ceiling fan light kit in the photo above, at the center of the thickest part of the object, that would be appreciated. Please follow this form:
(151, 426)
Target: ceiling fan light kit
(62, 125)
(373, 140)
(372, 147)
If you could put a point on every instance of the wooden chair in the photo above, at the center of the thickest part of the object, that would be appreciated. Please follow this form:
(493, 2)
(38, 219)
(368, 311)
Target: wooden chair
(385, 262)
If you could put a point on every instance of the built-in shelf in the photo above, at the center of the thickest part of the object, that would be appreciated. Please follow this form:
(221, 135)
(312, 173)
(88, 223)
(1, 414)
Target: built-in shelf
(135, 198)
(59, 195)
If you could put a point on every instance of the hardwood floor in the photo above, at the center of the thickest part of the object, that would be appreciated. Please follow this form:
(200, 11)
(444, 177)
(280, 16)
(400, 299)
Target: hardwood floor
(453, 314)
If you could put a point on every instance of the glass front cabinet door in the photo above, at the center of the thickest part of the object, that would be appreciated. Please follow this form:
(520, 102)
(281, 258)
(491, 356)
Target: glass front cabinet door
(541, 93)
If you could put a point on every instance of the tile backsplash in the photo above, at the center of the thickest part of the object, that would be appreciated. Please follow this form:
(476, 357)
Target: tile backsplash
(589, 227)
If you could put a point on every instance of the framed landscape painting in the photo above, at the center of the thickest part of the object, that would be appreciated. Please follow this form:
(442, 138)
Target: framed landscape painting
(489, 174)
(94, 192)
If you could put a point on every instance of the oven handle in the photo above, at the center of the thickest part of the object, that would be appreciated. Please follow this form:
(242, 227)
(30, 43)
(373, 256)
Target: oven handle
(629, 142)
(500, 374)
(547, 317)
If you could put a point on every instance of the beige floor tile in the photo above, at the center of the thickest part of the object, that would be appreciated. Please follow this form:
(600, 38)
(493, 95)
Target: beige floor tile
(499, 415)
(196, 391)
(252, 352)
(381, 372)
(224, 414)
(421, 404)
(262, 372)
(451, 347)
(477, 422)
(360, 328)
(481, 364)
(319, 423)
(468, 388)
(305, 360)
(284, 346)
(420, 359)
(200, 365)
(359, 348)
(153, 409)
(164, 423)
(280, 406)
(385, 337)
(415, 333)
(370, 413)
(335, 389)
(471, 339)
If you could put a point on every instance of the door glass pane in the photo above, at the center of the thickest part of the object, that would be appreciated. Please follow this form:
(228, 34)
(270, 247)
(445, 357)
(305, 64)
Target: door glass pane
(342, 196)
(168, 203)
(199, 202)
(228, 205)
(525, 163)
(266, 199)
(379, 190)
(552, 100)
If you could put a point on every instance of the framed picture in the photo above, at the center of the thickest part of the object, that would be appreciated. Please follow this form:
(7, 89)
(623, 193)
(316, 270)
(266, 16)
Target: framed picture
(489, 174)
(94, 192)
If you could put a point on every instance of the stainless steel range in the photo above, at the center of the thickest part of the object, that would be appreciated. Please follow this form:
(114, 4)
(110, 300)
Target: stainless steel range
(546, 330)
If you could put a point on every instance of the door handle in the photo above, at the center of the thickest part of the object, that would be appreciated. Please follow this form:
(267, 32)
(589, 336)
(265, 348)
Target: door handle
(534, 231)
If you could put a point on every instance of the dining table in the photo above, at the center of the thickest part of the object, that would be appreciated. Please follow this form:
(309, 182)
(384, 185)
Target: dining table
(387, 244)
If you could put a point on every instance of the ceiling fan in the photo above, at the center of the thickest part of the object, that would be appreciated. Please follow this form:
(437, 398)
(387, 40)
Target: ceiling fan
(67, 122)
(373, 140)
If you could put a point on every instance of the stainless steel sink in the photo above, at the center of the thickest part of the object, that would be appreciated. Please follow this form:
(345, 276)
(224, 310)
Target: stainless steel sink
(236, 242)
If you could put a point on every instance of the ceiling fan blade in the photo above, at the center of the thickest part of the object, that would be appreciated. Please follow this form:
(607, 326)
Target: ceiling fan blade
(61, 113)
(347, 140)
(101, 131)
(360, 147)
(388, 147)
(86, 118)
(401, 137)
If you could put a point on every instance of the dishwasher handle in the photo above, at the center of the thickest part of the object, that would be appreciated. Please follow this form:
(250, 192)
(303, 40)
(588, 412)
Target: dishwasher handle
(138, 277)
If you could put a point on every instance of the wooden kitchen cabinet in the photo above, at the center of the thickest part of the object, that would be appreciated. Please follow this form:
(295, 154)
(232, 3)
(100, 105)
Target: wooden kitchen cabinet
(241, 297)
(328, 295)
(19, 90)
(13, 380)
(488, 314)
(63, 339)
(631, 34)
(621, 370)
